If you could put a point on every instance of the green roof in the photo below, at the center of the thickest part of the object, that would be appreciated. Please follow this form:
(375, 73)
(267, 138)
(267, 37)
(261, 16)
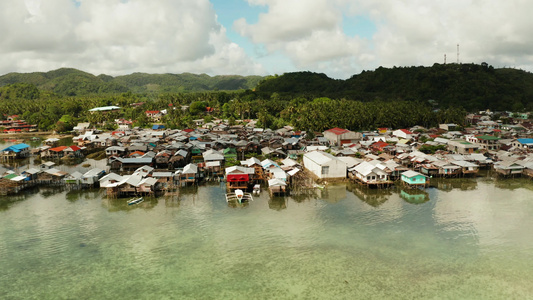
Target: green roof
(488, 137)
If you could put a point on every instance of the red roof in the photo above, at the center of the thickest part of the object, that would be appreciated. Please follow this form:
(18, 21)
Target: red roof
(75, 148)
(337, 130)
(406, 131)
(152, 111)
(188, 130)
(58, 149)
(209, 109)
(380, 144)
(137, 152)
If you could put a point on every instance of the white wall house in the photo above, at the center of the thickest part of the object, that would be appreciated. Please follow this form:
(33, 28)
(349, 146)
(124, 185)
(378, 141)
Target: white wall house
(338, 136)
(403, 133)
(369, 173)
(324, 165)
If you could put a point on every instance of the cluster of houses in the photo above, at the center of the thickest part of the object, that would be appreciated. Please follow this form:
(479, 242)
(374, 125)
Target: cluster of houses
(14, 124)
(153, 160)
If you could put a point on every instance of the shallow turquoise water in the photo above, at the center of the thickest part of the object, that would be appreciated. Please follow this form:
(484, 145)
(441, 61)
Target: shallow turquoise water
(471, 240)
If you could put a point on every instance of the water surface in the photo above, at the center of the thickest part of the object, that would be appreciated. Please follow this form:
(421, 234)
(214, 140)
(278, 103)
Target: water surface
(464, 239)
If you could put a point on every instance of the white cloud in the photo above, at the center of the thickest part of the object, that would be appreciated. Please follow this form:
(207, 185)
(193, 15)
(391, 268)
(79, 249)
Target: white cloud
(408, 32)
(308, 32)
(118, 37)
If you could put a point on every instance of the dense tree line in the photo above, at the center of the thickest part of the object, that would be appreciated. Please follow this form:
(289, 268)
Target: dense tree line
(53, 112)
(471, 86)
(394, 98)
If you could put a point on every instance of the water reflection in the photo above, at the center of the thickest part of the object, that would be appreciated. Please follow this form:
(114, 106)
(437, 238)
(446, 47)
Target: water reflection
(373, 197)
(449, 184)
(49, 191)
(304, 195)
(513, 183)
(333, 193)
(172, 200)
(277, 203)
(414, 196)
(76, 195)
(491, 216)
(7, 202)
(454, 246)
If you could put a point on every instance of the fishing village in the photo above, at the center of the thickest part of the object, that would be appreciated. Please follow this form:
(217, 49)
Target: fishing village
(154, 161)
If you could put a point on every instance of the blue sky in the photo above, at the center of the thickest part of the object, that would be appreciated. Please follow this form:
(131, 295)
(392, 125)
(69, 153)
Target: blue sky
(337, 37)
(230, 11)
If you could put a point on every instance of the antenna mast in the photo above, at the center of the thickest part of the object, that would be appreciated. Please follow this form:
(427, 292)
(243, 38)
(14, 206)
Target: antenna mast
(457, 53)
(444, 58)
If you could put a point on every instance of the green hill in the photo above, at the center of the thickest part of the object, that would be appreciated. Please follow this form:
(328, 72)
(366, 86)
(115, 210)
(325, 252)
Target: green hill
(471, 86)
(186, 82)
(72, 82)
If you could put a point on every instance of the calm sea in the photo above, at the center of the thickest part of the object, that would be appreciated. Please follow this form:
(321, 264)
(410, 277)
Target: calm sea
(463, 239)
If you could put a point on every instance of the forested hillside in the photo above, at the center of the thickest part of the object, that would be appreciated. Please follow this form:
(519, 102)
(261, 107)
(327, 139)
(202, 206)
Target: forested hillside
(395, 97)
(73, 82)
(469, 86)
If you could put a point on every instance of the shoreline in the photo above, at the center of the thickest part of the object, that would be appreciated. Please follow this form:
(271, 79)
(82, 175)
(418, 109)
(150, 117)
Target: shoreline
(27, 135)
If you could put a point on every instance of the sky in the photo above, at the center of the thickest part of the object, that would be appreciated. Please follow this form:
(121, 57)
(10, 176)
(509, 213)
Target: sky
(261, 37)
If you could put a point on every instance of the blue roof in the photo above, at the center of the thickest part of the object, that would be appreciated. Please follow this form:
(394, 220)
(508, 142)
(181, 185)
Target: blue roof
(525, 141)
(158, 126)
(17, 148)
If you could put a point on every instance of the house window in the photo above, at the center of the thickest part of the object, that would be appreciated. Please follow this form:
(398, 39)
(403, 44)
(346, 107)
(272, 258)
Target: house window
(325, 170)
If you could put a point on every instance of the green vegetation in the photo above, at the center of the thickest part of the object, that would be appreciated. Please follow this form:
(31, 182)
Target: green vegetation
(429, 149)
(470, 86)
(393, 98)
(73, 82)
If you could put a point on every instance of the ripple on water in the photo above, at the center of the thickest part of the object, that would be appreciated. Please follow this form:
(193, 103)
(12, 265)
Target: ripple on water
(337, 248)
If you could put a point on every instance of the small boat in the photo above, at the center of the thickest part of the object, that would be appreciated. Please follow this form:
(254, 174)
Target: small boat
(135, 201)
(239, 196)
